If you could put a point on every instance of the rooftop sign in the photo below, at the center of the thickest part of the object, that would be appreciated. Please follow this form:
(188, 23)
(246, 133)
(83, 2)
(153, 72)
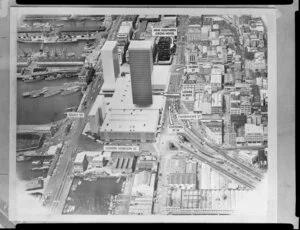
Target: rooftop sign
(75, 115)
(164, 32)
(192, 116)
(175, 128)
(121, 148)
(192, 68)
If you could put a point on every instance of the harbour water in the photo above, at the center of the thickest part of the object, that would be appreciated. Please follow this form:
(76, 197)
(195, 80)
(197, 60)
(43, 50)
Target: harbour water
(42, 110)
(93, 197)
(25, 173)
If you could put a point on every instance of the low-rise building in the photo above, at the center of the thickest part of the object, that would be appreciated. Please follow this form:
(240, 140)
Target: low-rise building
(254, 134)
(235, 108)
(97, 114)
(216, 82)
(217, 103)
(193, 33)
(80, 163)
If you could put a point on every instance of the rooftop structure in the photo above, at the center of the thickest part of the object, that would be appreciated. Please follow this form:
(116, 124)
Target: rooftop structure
(127, 121)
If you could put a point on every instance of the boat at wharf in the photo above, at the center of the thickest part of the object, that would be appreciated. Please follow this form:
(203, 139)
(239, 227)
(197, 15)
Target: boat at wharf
(36, 162)
(52, 93)
(33, 79)
(70, 91)
(40, 168)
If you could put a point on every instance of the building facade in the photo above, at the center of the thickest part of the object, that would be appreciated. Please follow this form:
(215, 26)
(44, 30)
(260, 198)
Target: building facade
(141, 66)
(110, 62)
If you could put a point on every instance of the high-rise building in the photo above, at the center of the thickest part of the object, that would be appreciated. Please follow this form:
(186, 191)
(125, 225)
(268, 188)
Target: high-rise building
(141, 66)
(110, 62)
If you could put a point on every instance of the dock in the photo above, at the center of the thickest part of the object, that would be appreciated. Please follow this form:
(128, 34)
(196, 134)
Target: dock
(55, 72)
(47, 128)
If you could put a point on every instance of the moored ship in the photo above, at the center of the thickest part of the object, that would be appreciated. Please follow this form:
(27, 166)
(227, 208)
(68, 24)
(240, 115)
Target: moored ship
(33, 79)
(70, 90)
(48, 40)
(52, 77)
(52, 93)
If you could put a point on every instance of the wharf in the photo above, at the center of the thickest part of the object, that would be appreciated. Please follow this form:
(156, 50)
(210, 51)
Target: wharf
(34, 128)
(54, 89)
(54, 72)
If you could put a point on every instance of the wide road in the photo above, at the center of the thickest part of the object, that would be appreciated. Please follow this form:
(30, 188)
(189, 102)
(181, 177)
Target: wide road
(196, 138)
(57, 181)
(232, 169)
(225, 155)
(115, 28)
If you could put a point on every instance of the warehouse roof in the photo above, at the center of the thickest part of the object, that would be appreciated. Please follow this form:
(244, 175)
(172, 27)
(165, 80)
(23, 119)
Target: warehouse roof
(130, 120)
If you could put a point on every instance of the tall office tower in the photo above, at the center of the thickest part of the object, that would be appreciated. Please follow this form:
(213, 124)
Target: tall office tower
(141, 66)
(110, 62)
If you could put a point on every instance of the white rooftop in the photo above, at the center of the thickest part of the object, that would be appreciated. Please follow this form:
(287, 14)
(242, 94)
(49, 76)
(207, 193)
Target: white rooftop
(252, 128)
(130, 120)
(123, 116)
(160, 75)
(122, 98)
(109, 45)
(124, 29)
(140, 45)
(216, 99)
(108, 87)
(216, 78)
(79, 158)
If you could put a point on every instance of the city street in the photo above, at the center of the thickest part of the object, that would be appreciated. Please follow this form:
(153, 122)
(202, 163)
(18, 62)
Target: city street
(61, 181)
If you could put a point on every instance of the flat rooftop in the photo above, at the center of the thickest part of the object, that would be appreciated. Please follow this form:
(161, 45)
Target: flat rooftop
(109, 45)
(130, 120)
(122, 98)
(124, 29)
(161, 75)
(108, 87)
(140, 45)
(123, 116)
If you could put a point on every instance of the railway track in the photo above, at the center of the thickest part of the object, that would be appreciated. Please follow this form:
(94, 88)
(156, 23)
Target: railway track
(226, 156)
(230, 167)
(219, 169)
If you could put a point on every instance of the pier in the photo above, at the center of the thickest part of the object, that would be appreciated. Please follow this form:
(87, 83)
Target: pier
(47, 129)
